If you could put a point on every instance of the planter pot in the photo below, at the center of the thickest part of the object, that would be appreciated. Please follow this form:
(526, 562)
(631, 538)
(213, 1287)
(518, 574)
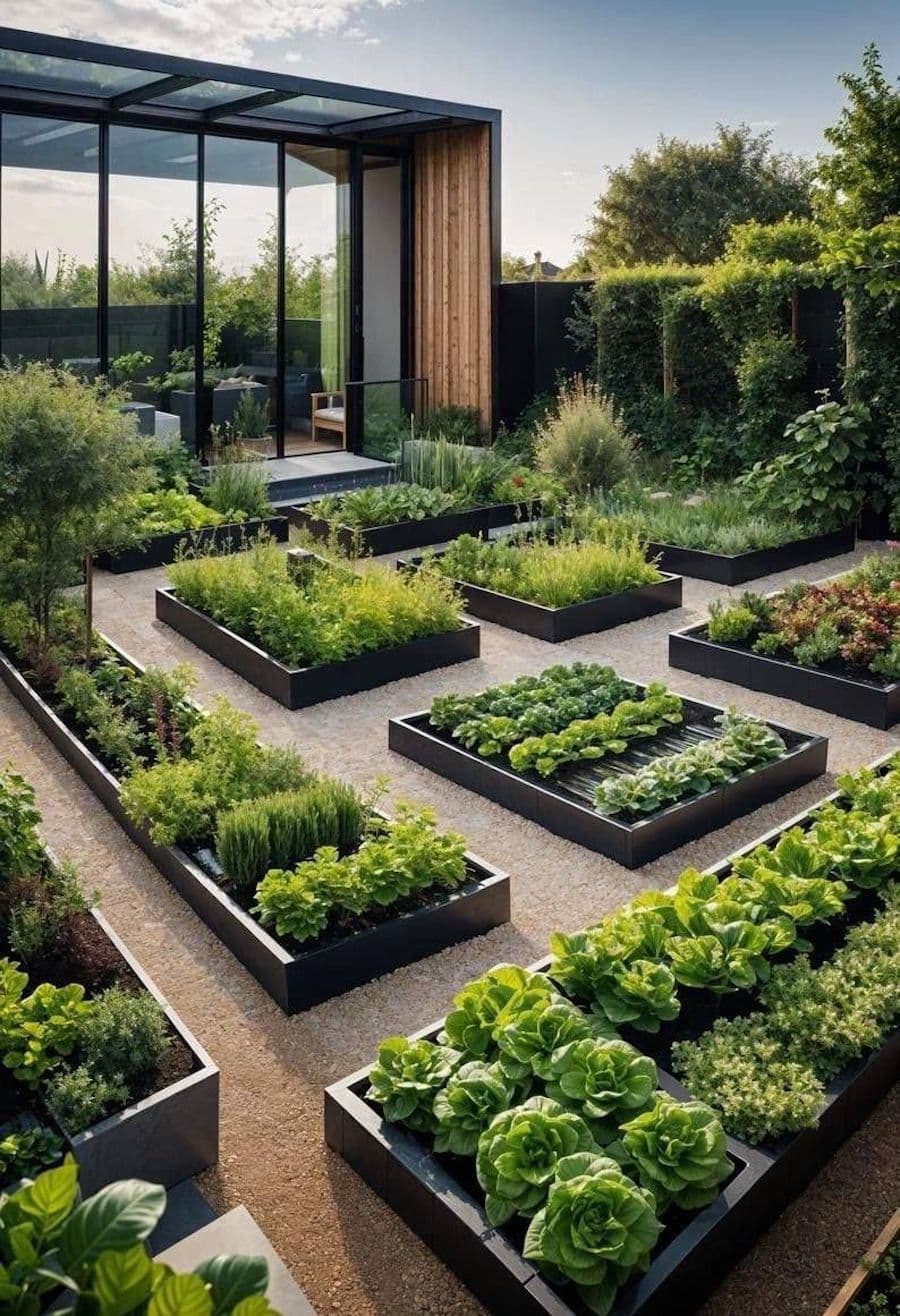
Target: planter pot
(558, 624)
(552, 803)
(236, 1234)
(166, 1137)
(163, 549)
(294, 981)
(860, 1282)
(425, 1192)
(860, 701)
(738, 568)
(299, 687)
(398, 537)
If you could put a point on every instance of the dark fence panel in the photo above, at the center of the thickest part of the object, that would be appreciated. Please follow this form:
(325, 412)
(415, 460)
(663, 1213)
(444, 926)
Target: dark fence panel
(819, 315)
(535, 349)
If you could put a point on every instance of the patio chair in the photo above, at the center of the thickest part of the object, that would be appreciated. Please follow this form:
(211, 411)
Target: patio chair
(330, 417)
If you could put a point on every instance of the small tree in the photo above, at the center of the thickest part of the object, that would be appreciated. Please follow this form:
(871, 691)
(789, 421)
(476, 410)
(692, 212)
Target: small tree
(66, 453)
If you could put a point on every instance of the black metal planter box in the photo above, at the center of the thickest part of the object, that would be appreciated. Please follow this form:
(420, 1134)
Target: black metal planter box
(163, 549)
(299, 687)
(422, 1189)
(166, 1137)
(561, 812)
(738, 568)
(295, 982)
(558, 624)
(451, 1220)
(399, 536)
(861, 701)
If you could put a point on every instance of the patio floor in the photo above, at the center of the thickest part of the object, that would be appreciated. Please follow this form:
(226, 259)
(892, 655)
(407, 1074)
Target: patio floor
(348, 1251)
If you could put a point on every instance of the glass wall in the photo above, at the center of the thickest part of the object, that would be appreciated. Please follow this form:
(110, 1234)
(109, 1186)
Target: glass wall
(240, 289)
(49, 224)
(153, 268)
(317, 294)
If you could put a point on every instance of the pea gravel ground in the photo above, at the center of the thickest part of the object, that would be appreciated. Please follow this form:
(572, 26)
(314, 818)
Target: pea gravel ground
(350, 1253)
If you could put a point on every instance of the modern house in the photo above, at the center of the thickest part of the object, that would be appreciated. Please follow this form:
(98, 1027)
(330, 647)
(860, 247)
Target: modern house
(299, 262)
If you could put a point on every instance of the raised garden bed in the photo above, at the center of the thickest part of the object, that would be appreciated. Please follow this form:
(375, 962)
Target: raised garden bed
(558, 624)
(738, 568)
(169, 1134)
(299, 687)
(294, 981)
(564, 805)
(166, 1137)
(439, 1199)
(163, 549)
(874, 702)
(401, 535)
(861, 1283)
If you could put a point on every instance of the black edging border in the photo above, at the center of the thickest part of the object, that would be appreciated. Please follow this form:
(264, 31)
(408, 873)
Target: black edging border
(738, 568)
(558, 624)
(630, 844)
(859, 701)
(295, 982)
(166, 1137)
(161, 550)
(450, 1221)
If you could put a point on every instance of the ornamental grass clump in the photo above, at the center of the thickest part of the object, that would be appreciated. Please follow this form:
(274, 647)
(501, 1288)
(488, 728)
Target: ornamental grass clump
(583, 443)
(597, 1228)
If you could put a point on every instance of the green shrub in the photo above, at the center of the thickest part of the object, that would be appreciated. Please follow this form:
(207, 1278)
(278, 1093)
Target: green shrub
(79, 1098)
(124, 1036)
(771, 376)
(585, 445)
(277, 831)
(40, 909)
(238, 490)
(730, 624)
(21, 849)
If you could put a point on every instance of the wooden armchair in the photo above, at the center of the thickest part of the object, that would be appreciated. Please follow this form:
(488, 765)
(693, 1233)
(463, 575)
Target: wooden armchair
(328, 413)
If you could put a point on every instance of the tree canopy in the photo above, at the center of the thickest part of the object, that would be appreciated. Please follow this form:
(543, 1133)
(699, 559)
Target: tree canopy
(679, 202)
(860, 179)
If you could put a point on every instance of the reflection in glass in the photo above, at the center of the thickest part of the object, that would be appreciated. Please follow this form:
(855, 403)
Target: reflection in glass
(240, 286)
(48, 242)
(317, 296)
(153, 269)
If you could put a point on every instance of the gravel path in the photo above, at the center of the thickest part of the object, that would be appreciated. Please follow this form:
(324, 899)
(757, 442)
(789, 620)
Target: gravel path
(349, 1252)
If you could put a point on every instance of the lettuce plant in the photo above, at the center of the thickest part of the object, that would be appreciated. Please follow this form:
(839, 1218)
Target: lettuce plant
(36, 1031)
(677, 1149)
(862, 850)
(407, 1077)
(530, 1039)
(604, 1081)
(518, 1154)
(465, 1107)
(617, 967)
(597, 1228)
(484, 1007)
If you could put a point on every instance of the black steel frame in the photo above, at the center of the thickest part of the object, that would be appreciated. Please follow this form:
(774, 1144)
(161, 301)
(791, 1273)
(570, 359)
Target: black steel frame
(404, 117)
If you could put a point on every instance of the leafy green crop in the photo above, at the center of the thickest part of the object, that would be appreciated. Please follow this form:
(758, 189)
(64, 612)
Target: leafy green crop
(483, 1008)
(594, 738)
(746, 741)
(385, 504)
(519, 1152)
(604, 1081)
(597, 1228)
(677, 1150)
(465, 1107)
(36, 1031)
(408, 1076)
(503, 715)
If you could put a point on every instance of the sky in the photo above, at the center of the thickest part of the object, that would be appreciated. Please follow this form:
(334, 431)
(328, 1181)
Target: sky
(582, 84)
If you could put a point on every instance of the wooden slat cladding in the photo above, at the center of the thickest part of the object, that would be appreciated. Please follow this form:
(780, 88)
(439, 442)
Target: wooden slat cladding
(452, 279)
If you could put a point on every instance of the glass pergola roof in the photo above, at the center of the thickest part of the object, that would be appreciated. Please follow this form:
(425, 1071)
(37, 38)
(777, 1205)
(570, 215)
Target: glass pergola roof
(46, 74)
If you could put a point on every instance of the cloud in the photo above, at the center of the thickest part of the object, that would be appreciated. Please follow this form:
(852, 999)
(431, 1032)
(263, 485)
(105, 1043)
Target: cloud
(228, 30)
